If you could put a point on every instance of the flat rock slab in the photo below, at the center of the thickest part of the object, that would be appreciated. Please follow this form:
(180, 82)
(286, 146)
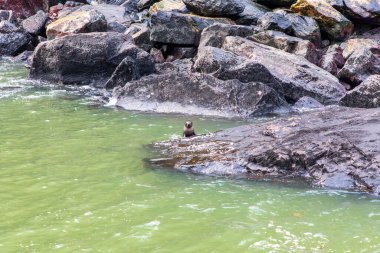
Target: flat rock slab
(332, 147)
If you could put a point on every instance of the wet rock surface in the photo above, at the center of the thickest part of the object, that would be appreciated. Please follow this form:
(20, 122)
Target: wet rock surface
(331, 147)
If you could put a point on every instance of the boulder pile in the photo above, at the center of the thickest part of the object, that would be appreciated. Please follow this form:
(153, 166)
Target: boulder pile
(225, 57)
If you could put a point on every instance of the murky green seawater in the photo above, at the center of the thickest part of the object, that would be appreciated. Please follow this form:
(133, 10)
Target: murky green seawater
(72, 179)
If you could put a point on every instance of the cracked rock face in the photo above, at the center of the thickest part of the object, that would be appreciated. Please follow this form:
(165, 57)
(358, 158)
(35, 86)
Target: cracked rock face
(333, 147)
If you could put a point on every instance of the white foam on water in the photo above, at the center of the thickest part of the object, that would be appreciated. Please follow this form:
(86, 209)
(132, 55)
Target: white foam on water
(58, 246)
(256, 210)
(374, 216)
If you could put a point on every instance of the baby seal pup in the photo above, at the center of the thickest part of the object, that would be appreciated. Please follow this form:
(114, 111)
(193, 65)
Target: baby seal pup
(188, 130)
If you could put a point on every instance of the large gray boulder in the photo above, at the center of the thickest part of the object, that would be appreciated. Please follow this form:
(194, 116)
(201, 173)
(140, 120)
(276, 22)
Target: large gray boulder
(275, 21)
(112, 13)
(252, 12)
(200, 94)
(138, 63)
(305, 28)
(366, 95)
(141, 35)
(180, 29)
(77, 22)
(36, 23)
(359, 66)
(82, 59)
(225, 65)
(13, 40)
(331, 21)
(214, 35)
(363, 10)
(332, 147)
(297, 75)
(369, 40)
(215, 8)
(288, 43)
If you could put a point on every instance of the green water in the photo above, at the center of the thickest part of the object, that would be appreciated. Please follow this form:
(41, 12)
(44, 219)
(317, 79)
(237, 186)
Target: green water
(72, 179)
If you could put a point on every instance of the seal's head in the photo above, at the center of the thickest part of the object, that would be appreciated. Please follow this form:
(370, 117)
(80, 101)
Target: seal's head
(188, 124)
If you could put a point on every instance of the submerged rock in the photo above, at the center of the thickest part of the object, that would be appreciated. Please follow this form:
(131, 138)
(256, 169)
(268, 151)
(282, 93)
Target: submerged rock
(366, 95)
(332, 147)
(297, 76)
(199, 94)
(215, 8)
(331, 21)
(83, 59)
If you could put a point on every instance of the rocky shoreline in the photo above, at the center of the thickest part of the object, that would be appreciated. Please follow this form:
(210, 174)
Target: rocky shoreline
(229, 58)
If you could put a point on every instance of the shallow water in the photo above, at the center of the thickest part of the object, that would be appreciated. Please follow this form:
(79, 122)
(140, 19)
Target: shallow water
(72, 179)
